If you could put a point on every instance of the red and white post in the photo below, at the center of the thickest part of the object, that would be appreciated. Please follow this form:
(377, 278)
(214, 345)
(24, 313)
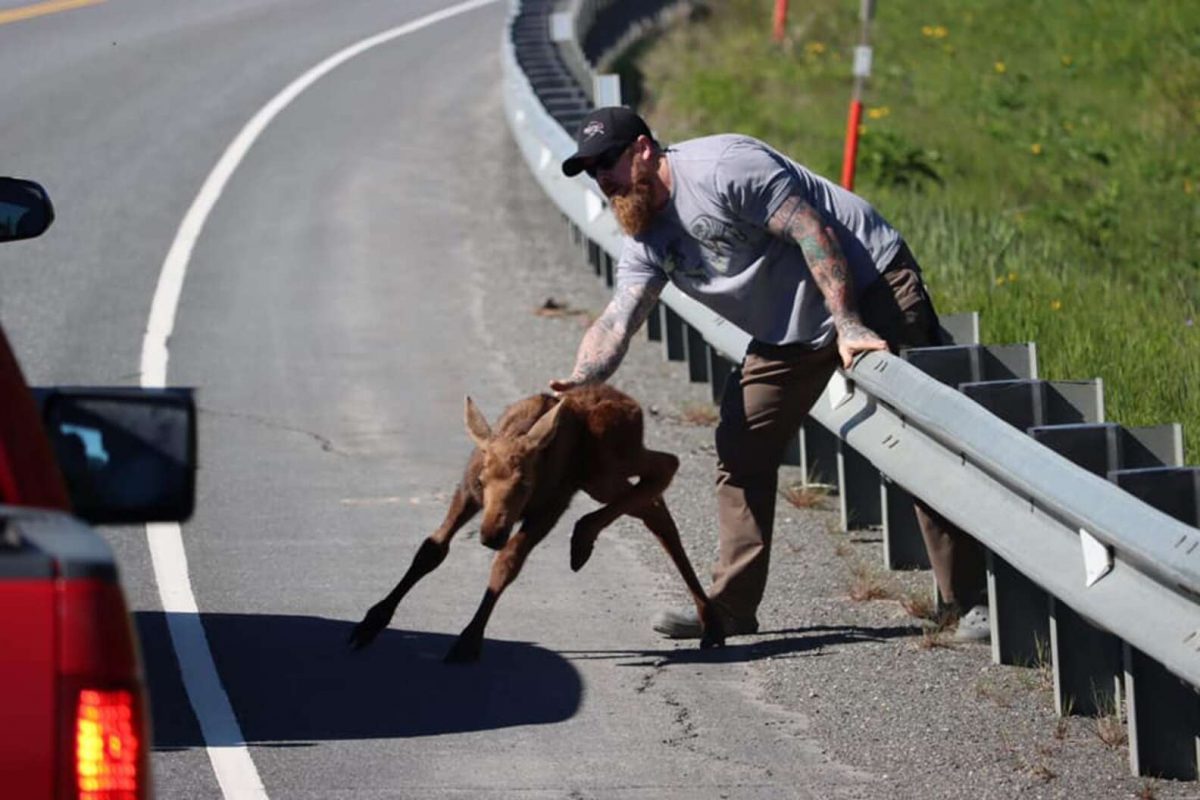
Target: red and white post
(862, 71)
(781, 9)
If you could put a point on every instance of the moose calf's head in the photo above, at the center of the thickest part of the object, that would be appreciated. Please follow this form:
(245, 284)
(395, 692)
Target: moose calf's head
(509, 471)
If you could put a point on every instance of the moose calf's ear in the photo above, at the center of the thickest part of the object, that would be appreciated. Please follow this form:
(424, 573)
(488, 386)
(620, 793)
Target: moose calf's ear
(542, 432)
(477, 425)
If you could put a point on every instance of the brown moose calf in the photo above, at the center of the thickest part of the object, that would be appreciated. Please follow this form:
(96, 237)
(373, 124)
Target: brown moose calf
(541, 452)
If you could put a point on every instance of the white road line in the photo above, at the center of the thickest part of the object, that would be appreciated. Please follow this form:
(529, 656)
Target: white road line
(235, 770)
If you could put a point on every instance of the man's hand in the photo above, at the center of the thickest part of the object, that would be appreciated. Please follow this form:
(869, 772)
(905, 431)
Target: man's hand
(854, 338)
(558, 387)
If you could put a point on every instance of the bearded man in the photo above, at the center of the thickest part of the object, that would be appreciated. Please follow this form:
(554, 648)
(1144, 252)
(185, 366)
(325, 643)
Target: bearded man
(811, 271)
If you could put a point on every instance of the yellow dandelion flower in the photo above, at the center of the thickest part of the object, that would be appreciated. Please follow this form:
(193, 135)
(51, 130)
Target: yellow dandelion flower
(1000, 281)
(940, 32)
(815, 48)
(1036, 148)
(878, 113)
(1056, 305)
(927, 30)
(1067, 61)
(1012, 277)
(1188, 186)
(1000, 67)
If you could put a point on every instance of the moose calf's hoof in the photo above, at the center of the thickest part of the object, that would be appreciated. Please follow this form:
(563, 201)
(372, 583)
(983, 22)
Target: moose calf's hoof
(365, 632)
(361, 636)
(581, 551)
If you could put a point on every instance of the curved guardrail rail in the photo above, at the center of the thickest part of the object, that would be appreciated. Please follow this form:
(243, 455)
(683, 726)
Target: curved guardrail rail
(1109, 582)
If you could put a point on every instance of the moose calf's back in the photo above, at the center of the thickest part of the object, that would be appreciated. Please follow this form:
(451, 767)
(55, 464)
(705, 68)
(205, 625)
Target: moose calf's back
(610, 420)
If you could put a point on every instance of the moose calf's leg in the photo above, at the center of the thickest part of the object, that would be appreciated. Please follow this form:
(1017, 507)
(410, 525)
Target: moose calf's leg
(505, 568)
(660, 522)
(428, 557)
(654, 473)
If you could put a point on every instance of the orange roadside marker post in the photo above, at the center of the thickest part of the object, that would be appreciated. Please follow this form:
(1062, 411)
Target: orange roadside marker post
(781, 9)
(862, 70)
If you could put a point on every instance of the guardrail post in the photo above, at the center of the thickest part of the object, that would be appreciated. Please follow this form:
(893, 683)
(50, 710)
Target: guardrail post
(1087, 665)
(1153, 445)
(1163, 718)
(1095, 446)
(654, 323)
(1172, 490)
(858, 483)
(962, 328)
(1019, 614)
(1017, 360)
(903, 545)
(818, 454)
(697, 354)
(791, 452)
(673, 340)
(1026, 403)
(1074, 401)
(593, 255)
(719, 371)
(606, 90)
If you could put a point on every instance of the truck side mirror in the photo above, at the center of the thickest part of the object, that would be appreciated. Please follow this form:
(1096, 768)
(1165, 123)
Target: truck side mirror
(25, 210)
(127, 455)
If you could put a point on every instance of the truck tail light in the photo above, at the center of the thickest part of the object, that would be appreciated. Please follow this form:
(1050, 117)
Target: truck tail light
(108, 745)
(106, 741)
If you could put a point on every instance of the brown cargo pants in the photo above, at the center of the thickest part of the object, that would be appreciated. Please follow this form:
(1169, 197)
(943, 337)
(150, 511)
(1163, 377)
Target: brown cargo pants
(778, 385)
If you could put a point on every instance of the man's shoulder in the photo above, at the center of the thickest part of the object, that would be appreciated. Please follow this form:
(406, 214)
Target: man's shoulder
(727, 154)
(713, 146)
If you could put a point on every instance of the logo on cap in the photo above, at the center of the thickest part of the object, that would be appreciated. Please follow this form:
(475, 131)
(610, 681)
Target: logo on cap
(593, 128)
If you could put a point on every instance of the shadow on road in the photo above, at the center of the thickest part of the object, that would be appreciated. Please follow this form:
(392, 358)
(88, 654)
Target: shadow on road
(292, 680)
(792, 642)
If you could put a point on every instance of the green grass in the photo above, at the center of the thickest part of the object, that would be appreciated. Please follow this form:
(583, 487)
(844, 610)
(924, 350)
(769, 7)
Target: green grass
(1042, 159)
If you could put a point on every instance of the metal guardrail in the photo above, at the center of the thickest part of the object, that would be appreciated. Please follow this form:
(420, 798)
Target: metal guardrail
(1075, 562)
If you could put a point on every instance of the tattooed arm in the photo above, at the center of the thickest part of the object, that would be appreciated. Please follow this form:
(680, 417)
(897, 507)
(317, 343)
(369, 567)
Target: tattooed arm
(607, 340)
(798, 222)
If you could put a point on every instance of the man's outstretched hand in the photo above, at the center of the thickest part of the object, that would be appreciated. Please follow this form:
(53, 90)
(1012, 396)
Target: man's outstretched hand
(558, 387)
(854, 338)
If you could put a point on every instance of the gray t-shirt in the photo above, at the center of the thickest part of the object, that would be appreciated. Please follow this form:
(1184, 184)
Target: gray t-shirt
(711, 239)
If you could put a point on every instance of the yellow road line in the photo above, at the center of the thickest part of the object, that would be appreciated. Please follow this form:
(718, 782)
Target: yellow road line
(38, 9)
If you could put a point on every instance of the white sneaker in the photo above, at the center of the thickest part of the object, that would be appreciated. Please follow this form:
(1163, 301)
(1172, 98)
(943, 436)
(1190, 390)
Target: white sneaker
(974, 626)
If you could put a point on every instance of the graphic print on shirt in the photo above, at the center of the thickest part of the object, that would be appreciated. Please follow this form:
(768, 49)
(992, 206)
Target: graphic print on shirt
(718, 238)
(676, 261)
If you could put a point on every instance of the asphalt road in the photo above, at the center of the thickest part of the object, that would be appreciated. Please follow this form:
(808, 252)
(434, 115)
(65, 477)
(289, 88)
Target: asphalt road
(344, 294)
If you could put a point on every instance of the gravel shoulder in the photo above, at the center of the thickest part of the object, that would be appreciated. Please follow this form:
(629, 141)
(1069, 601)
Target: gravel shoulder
(912, 714)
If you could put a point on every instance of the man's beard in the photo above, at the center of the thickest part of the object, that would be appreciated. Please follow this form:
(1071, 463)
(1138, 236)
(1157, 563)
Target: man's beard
(635, 209)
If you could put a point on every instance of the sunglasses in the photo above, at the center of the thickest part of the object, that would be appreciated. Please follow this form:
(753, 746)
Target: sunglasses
(605, 161)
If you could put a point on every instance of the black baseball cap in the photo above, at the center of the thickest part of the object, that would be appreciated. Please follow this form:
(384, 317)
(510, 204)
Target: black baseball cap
(602, 130)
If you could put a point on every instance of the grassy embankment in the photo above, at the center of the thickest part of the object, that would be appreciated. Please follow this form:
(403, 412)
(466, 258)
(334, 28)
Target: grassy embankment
(1042, 158)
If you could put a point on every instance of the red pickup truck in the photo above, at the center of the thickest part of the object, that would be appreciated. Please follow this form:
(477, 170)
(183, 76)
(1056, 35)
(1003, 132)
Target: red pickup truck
(74, 721)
